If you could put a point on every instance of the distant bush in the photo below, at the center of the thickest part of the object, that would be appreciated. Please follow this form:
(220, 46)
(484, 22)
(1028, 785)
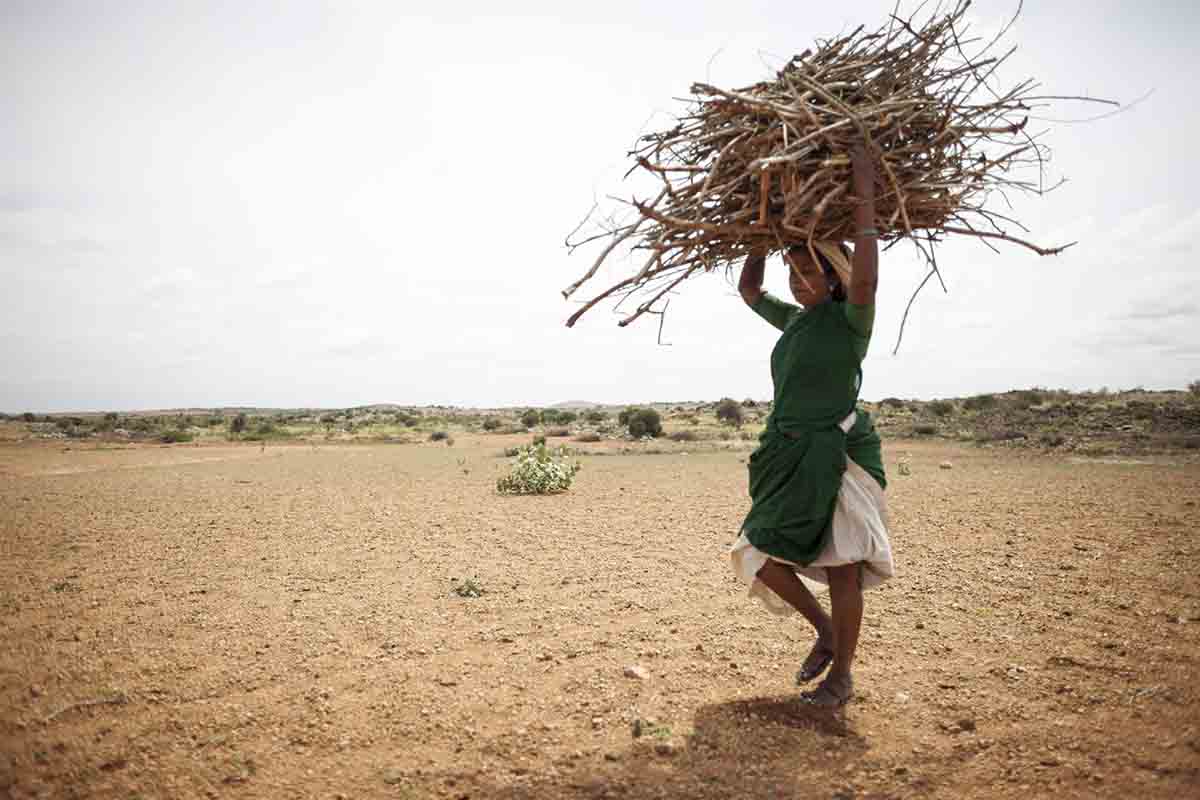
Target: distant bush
(999, 435)
(588, 436)
(980, 402)
(238, 424)
(683, 436)
(438, 436)
(941, 408)
(29, 417)
(539, 440)
(1027, 398)
(749, 403)
(491, 424)
(538, 471)
(530, 418)
(892, 402)
(560, 417)
(596, 416)
(729, 411)
(626, 413)
(1052, 439)
(924, 430)
(645, 422)
(176, 436)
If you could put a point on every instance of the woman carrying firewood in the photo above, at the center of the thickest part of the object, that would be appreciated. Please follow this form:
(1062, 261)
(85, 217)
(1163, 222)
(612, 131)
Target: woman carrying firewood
(817, 479)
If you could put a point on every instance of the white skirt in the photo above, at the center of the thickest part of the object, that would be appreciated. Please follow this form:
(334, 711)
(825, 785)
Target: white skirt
(858, 534)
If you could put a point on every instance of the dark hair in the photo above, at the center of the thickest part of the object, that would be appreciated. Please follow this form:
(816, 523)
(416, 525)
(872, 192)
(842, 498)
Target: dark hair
(837, 291)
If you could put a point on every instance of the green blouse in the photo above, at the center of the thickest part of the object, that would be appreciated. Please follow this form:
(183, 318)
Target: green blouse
(796, 472)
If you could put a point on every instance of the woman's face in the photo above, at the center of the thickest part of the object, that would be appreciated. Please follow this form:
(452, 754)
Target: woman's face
(805, 278)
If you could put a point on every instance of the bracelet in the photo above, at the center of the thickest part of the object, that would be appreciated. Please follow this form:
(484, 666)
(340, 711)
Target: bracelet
(867, 232)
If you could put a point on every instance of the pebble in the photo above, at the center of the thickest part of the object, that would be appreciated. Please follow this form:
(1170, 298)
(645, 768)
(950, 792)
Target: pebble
(945, 465)
(636, 672)
(666, 748)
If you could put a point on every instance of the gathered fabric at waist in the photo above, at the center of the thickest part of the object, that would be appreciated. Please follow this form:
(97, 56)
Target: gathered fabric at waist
(846, 424)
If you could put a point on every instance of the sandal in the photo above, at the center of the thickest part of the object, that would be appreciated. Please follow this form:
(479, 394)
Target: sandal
(817, 661)
(831, 693)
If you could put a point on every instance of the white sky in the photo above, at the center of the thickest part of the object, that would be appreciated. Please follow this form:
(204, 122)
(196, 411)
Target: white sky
(309, 204)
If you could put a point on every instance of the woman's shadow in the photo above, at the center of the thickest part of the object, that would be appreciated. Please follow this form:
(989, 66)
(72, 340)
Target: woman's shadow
(758, 747)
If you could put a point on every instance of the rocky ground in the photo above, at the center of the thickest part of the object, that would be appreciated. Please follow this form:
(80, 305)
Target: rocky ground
(375, 621)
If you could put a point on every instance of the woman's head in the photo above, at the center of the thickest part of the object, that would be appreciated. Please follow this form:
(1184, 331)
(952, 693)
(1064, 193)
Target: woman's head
(812, 282)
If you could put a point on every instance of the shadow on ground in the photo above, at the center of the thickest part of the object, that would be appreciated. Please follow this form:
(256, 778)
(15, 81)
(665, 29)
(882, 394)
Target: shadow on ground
(760, 747)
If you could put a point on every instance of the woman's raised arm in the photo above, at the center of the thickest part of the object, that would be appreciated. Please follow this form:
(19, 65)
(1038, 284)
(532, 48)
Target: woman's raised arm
(865, 277)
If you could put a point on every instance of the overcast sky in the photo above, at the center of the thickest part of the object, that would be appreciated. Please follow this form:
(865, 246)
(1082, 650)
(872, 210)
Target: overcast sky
(332, 204)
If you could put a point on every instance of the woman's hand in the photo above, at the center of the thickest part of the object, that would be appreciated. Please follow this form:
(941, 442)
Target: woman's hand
(751, 280)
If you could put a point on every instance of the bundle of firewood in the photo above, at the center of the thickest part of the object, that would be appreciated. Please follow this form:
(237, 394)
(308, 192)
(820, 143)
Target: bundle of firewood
(767, 166)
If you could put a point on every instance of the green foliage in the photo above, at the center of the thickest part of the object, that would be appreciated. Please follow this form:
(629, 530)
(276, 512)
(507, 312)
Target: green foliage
(530, 418)
(1027, 398)
(29, 417)
(491, 424)
(980, 402)
(892, 402)
(941, 408)
(596, 415)
(238, 423)
(645, 422)
(625, 414)
(729, 412)
(924, 430)
(554, 417)
(539, 440)
(468, 588)
(176, 436)
(439, 436)
(538, 471)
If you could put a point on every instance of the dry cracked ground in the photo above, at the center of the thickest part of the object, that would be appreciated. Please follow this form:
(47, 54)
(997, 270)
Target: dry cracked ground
(296, 621)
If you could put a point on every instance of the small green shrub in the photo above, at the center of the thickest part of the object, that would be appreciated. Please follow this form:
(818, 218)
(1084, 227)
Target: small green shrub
(625, 414)
(645, 422)
(1194, 388)
(596, 416)
(468, 588)
(557, 432)
(892, 402)
(491, 424)
(438, 436)
(238, 424)
(924, 430)
(538, 471)
(176, 436)
(530, 418)
(539, 440)
(1052, 439)
(588, 436)
(729, 412)
(1027, 398)
(941, 408)
(29, 417)
(980, 402)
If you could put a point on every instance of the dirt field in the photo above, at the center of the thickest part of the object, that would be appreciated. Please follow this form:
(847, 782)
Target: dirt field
(240, 621)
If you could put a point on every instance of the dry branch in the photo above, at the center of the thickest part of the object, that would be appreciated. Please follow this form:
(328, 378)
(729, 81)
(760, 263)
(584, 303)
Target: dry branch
(767, 166)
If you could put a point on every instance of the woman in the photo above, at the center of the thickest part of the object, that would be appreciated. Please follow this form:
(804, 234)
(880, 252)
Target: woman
(816, 512)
